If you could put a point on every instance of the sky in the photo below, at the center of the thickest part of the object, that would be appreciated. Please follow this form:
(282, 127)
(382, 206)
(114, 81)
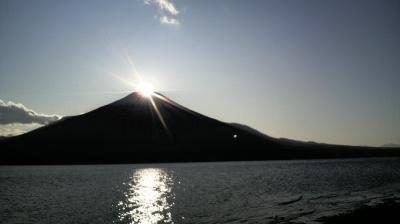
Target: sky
(324, 71)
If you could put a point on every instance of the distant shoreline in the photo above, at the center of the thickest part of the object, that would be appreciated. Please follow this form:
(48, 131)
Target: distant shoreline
(385, 212)
(205, 161)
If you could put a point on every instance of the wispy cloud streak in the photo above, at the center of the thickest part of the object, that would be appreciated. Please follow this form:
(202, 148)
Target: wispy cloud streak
(164, 5)
(167, 10)
(169, 21)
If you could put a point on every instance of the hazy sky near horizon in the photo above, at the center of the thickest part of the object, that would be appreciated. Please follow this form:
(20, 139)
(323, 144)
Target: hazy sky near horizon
(327, 71)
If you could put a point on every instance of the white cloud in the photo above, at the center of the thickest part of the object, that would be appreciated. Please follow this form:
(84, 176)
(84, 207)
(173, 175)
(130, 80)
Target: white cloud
(11, 113)
(164, 5)
(170, 21)
(167, 11)
(17, 128)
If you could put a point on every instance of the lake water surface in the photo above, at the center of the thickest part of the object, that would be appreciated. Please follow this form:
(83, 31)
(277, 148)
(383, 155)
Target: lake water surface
(229, 192)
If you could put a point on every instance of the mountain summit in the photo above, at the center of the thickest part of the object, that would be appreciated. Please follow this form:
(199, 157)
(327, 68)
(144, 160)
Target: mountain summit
(139, 128)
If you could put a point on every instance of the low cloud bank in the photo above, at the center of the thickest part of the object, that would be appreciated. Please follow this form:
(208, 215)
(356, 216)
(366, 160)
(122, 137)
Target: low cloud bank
(9, 130)
(17, 119)
(11, 112)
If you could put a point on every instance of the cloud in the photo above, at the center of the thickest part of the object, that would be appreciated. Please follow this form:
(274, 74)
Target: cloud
(167, 11)
(17, 128)
(163, 5)
(11, 112)
(170, 21)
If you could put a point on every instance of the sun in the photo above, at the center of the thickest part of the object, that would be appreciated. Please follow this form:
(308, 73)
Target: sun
(145, 89)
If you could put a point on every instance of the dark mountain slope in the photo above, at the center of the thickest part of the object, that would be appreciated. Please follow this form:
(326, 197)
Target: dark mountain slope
(140, 129)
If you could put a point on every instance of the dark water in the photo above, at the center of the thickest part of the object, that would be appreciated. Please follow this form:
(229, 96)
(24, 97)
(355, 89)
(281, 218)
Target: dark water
(253, 192)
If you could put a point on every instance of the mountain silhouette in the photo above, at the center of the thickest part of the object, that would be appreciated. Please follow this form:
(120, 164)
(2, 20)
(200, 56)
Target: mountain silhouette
(156, 129)
(391, 145)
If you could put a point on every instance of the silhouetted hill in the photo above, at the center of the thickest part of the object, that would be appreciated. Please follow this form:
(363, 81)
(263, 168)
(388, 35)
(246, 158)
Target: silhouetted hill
(251, 130)
(282, 141)
(140, 129)
(391, 145)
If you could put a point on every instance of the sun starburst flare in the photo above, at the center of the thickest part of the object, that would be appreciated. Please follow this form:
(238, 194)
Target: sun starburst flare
(145, 89)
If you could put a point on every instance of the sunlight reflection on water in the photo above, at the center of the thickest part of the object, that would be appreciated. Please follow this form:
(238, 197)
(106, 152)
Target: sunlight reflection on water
(148, 198)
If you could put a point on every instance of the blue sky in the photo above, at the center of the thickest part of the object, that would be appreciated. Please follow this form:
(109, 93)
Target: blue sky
(326, 71)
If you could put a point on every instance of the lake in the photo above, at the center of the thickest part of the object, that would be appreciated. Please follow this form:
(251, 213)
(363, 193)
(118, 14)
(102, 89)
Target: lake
(223, 192)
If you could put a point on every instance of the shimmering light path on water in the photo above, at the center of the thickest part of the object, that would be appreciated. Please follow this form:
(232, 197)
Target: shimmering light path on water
(147, 198)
